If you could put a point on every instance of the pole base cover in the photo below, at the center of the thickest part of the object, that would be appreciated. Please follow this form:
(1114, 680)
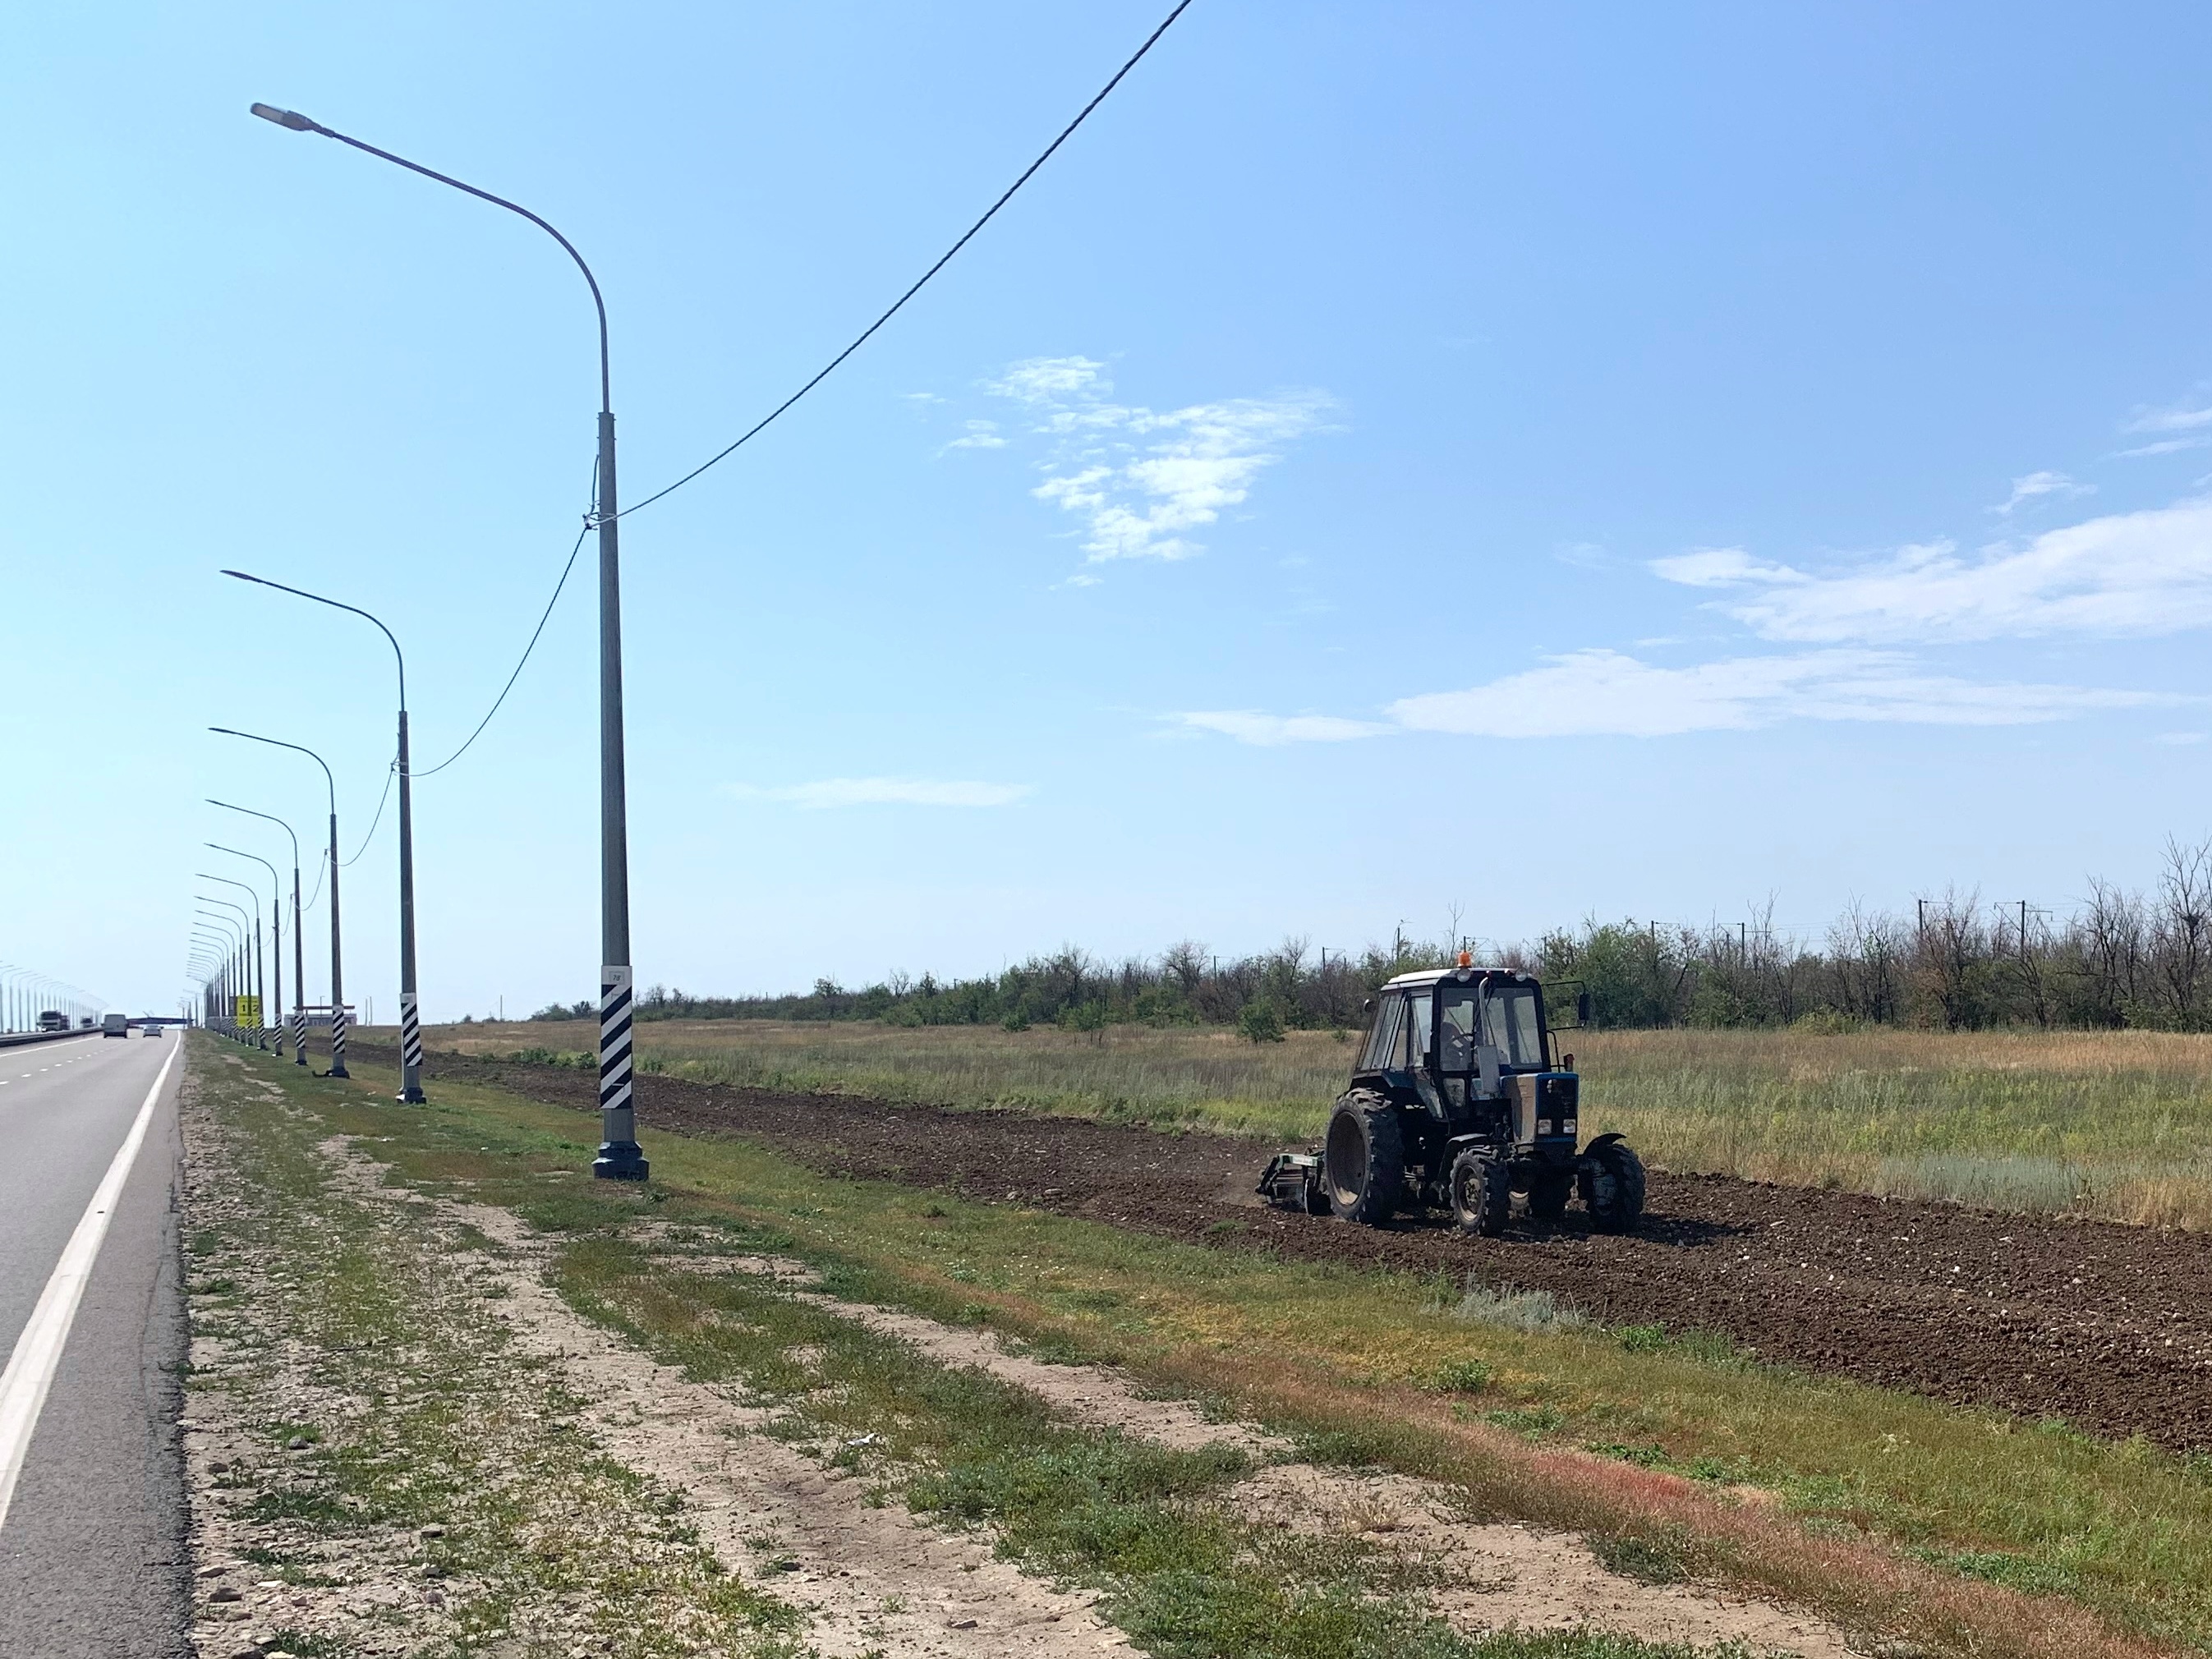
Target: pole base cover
(412, 1097)
(620, 1160)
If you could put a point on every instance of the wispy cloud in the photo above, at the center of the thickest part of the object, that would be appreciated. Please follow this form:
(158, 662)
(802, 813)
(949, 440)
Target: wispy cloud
(2037, 485)
(1143, 479)
(1599, 693)
(1268, 730)
(1052, 380)
(2188, 428)
(1720, 567)
(2130, 573)
(2179, 418)
(882, 791)
(980, 434)
(2163, 446)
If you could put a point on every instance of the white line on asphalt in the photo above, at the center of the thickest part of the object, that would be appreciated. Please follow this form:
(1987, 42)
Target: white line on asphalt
(39, 1350)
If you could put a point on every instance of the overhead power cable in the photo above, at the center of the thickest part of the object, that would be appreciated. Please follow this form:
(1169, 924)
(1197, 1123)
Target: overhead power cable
(945, 259)
(390, 772)
(591, 519)
(527, 650)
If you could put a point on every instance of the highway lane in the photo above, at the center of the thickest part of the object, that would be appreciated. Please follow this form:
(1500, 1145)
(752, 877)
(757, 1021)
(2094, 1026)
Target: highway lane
(93, 1558)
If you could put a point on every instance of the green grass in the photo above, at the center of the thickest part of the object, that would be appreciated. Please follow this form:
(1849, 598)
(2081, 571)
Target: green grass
(447, 1425)
(2117, 1124)
(2125, 1528)
(1144, 1525)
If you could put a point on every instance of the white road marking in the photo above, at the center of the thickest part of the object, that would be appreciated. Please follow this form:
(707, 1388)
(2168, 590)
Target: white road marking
(39, 1350)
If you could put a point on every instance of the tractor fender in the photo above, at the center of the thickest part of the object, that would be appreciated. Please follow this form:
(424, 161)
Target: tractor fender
(1602, 1140)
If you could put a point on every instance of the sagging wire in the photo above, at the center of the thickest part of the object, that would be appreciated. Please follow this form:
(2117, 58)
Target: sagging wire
(945, 259)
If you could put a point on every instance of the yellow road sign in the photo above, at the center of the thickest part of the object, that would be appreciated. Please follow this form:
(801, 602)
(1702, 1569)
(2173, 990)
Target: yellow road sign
(247, 1009)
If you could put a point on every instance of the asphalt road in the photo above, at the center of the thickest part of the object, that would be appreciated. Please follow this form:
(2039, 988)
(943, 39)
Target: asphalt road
(93, 1558)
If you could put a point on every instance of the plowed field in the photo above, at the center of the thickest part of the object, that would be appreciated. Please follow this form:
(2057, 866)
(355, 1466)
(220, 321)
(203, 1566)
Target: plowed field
(2108, 1326)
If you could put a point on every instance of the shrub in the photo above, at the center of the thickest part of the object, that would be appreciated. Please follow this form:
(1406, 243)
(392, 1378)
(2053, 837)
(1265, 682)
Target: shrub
(1261, 1021)
(1462, 1377)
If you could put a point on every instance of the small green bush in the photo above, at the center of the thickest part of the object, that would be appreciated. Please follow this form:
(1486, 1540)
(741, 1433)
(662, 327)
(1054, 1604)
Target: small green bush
(1261, 1021)
(1462, 1377)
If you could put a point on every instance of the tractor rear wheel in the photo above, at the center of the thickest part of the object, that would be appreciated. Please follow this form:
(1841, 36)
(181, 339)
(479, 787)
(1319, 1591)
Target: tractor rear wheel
(1363, 1159)
(1613, 1185)
(1481, 1193)
(1548, 1192)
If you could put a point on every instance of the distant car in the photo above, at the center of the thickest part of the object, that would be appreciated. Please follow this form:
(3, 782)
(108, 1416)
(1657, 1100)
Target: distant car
(151, 1030)
(85, 1024)
(115, 1026)
(52, 1019)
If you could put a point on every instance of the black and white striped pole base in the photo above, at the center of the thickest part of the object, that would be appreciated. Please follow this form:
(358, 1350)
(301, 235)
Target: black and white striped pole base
(299, 1035)
(411, 1052)
(620, 1157)
(337, 1042)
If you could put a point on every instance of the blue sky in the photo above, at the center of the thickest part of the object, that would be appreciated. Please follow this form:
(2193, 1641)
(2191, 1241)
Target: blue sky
(1584, 459)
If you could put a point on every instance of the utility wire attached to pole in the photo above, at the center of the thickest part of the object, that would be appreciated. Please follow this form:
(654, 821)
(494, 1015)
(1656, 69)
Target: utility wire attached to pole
(943, 259)
(593, 518)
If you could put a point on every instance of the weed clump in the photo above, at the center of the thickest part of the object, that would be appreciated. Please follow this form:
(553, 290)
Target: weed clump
(1515, 1310)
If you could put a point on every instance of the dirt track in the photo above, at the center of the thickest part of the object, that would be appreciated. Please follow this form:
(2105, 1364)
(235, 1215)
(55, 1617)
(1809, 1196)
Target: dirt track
(2108, 1326)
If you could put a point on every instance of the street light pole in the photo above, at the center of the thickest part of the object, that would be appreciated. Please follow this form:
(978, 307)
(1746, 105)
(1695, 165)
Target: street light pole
(620, 1157)
(299, 938)
(410, 1021)
(231, 943)
(275, 933)
(337, 968)
(260, 1022)
(217, 948)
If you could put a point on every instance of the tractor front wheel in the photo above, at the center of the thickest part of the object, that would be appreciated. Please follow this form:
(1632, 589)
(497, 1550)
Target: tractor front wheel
(1613, 1185)
(1481, 1193)
(1363, 1159)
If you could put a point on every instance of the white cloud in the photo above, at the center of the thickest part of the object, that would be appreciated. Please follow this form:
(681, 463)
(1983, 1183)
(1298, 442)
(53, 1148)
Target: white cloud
(981, 434)
(2163, 446)
(1720, 567)
(1600, 693)
(882, 791)
(1605, 692)
(2180, 419)
(2180, 739)
(1268, 730)
(1049, 380)
(2036, 485)
(1142, 480)
(2130, 573)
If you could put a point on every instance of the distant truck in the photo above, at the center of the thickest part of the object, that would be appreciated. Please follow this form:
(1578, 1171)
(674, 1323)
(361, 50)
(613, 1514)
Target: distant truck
(115, 1026)
(53, 1019)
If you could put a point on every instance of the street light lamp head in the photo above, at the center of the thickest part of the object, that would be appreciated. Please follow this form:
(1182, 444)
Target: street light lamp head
(284, 117)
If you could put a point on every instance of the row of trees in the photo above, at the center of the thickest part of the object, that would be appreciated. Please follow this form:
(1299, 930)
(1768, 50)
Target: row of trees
(2120, 959)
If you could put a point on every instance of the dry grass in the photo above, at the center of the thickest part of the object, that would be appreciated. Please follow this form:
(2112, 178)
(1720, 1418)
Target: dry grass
(1886, 1509)
(2117, 1124)
(2114, 1124)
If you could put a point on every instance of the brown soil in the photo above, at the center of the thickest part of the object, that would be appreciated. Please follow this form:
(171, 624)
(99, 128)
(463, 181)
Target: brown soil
(2108, 1326)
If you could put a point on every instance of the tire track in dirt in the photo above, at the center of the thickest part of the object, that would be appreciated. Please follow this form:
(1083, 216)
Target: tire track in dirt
(2106, 1326)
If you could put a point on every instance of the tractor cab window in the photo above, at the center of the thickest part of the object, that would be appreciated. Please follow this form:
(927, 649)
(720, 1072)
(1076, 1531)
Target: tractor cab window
(1512, 1026)
(1422, 1007)
(1457, 1029)
(1383, 1040)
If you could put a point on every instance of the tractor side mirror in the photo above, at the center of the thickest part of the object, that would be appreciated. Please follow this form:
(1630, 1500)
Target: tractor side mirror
(1367, 1004)
(1582, 1008)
